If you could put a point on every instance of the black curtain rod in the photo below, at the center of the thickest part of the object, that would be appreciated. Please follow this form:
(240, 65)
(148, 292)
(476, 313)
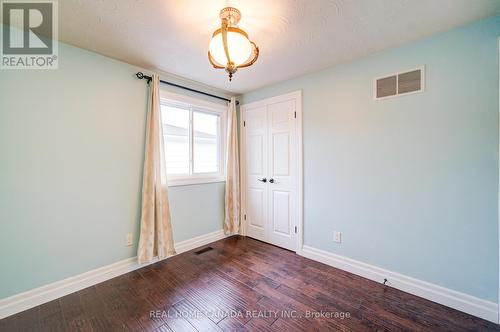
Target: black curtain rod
(141, 76)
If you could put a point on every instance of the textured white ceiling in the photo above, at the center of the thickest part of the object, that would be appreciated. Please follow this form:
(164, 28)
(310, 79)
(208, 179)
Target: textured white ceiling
(294, 36)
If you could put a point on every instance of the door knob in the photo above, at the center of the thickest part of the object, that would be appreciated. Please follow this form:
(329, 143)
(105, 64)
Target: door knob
(263, 180)
(271, 180)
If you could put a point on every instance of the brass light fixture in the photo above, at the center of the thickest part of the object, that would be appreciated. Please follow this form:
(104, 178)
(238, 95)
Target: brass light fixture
(230, 47)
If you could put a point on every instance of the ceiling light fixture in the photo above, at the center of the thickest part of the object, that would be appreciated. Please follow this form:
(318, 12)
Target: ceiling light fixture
(230, 47)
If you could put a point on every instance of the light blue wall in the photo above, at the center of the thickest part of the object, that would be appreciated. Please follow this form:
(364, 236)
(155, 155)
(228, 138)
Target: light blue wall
(71, 152)
(197, 209)
(411, 182)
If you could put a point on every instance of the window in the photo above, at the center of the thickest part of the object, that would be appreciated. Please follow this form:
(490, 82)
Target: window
(194, 134)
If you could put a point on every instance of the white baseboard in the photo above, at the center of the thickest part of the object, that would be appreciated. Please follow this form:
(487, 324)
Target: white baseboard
(29, 299)
(445, 296)
(199, 241)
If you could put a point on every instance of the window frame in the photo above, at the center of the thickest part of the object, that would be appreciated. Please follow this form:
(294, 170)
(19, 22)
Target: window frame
(193, 104)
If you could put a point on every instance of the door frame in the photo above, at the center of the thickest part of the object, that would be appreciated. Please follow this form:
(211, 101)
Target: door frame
(498, 195)
(297, 95)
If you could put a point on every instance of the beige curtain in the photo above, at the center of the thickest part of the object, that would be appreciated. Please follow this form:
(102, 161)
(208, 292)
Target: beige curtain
(156, 230)
(232, 199)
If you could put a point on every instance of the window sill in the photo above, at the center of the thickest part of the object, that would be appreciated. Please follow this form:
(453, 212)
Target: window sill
(194, 181)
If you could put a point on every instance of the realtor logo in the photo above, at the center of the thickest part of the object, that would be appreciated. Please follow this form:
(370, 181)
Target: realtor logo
(29, 34)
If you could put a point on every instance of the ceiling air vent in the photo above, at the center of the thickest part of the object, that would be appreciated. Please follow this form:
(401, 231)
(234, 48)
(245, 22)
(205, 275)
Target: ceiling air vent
(399, 84)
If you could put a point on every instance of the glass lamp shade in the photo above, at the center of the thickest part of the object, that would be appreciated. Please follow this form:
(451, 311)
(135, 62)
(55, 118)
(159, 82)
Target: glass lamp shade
(239, 47)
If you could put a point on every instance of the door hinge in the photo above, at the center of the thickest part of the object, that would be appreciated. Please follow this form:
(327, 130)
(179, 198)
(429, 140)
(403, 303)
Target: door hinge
(295, 229)
(245, 216)
(244, 124)
(295, 115)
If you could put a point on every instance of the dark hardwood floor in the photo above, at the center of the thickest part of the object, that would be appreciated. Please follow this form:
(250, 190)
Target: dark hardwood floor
(241, 285)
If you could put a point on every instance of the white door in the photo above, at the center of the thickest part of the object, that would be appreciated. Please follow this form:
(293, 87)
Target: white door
(282, 169)
(270, 158)
(256, 173)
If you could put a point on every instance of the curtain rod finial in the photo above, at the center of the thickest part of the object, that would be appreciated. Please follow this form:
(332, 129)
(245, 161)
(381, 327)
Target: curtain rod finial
(140, 75)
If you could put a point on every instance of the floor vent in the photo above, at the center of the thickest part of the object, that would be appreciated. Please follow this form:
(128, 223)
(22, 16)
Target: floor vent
(203, 250)
(399, 84)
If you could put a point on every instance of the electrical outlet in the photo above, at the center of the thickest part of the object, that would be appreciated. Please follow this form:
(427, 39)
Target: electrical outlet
(129, 240)
(337, 236)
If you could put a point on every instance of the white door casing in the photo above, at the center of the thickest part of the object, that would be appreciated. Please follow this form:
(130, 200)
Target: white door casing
(271, 149)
